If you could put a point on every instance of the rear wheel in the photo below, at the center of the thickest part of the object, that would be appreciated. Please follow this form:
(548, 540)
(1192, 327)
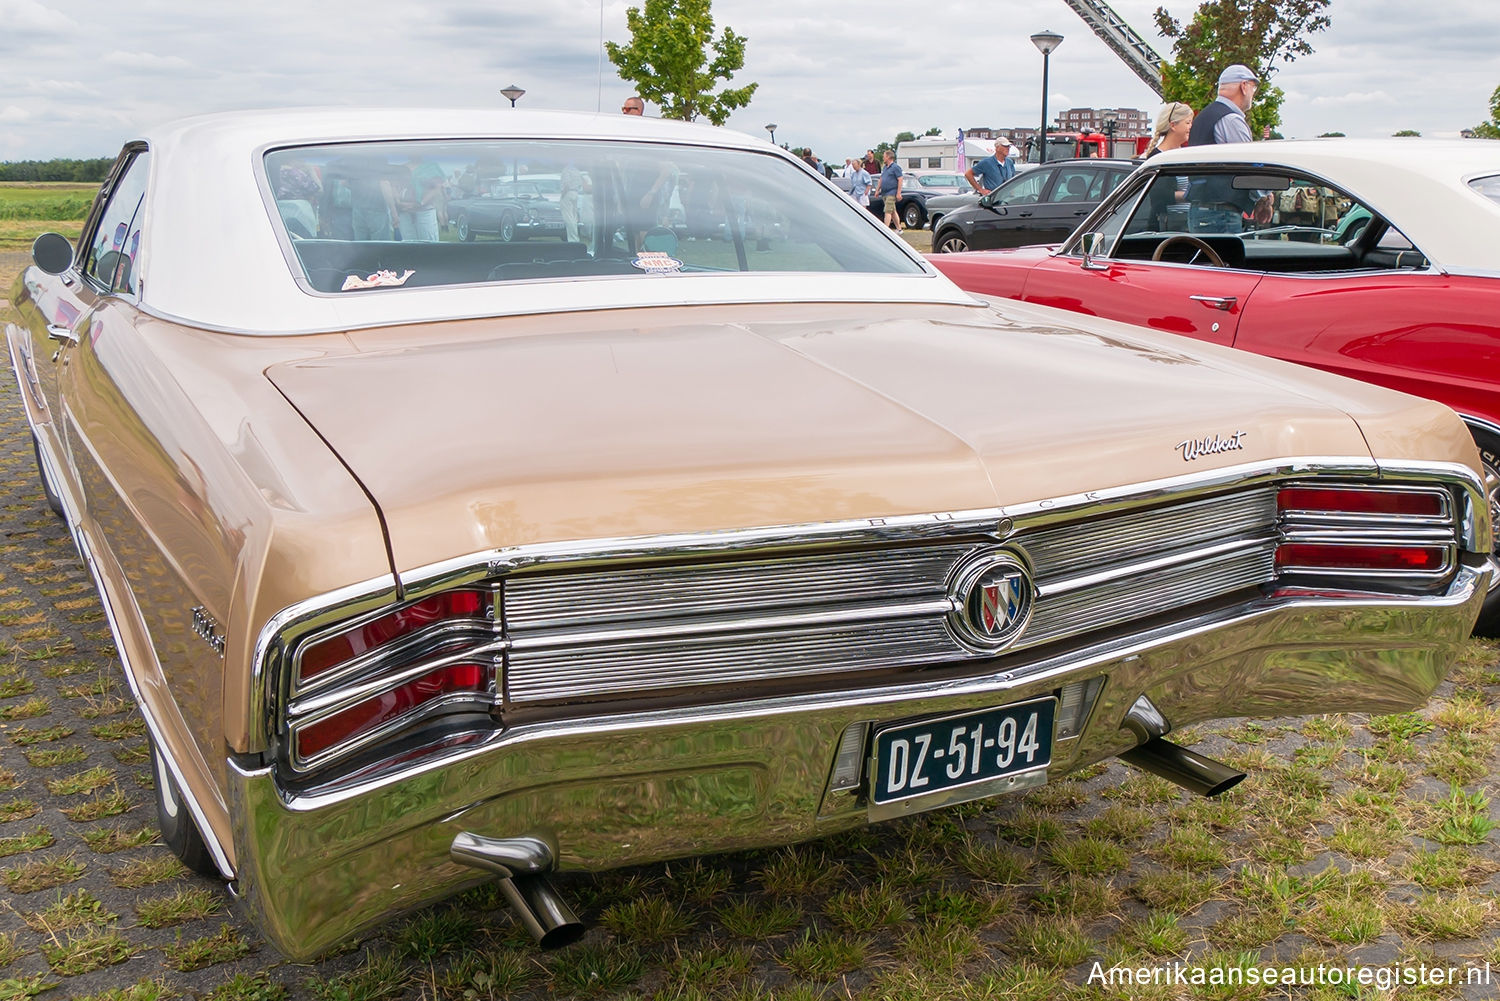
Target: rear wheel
(1489, 454)
(464, 232)
(950, 242)
(53, 500)
(913, 216)
(179, 831)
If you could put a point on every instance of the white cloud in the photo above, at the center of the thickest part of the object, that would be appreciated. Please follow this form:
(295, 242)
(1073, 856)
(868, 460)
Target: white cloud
(25, 17)
(147, 62)
(10, 115)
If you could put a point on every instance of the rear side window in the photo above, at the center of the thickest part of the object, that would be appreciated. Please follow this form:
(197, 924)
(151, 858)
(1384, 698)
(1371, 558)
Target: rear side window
(114, 246)
(1489, 187)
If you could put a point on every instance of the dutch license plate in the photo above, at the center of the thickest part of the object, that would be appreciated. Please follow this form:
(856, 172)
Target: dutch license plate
(937, 756)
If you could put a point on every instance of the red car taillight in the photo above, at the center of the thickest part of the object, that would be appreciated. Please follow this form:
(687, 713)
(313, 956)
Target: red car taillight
(1401, 535)
(1359, 501)
(373, 713)
(318, 658)
(388, 675)
(1339, 556)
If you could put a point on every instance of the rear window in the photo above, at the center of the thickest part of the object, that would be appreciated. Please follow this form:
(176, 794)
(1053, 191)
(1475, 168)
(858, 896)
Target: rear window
(1489, 187)
(403, 214)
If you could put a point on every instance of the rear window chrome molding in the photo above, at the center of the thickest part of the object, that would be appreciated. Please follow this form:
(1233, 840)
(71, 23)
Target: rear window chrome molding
(289, 627)
(940, 291)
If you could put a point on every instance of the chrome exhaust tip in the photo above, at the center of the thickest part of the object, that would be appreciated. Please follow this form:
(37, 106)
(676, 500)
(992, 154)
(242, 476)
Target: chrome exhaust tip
(522, 865)
(1193, 771)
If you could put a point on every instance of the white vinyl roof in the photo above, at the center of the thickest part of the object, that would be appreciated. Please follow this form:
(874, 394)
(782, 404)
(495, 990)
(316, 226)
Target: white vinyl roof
(210, 255)
(1421, 186)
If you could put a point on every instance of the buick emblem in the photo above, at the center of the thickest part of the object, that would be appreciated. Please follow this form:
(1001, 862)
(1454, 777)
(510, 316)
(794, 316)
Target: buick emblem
(992, 599)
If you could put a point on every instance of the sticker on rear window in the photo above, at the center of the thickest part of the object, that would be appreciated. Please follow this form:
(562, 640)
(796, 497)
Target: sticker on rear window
(378, 279)
(656, 262)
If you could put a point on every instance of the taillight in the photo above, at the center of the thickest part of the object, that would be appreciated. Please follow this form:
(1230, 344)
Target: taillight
(1389, 536)
(385, 676)
(1360, 501)
(1341, 556)
(366, 717)
(320, 657)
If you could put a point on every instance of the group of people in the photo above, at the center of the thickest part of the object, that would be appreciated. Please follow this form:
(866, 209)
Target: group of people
(1214, 205)
(869, 179)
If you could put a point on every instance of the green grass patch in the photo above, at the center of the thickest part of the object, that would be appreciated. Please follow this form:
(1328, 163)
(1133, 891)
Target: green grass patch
(39, 838)
(823, 955)
(648, 920)
(25, 736)
(756, 920)
(42, 874)
(59, 201)
(187, 904)
(79, 909)
(147, 872)
(197, 953)
(108, 840)
(50, 757)
(593, 970)
(86, 952)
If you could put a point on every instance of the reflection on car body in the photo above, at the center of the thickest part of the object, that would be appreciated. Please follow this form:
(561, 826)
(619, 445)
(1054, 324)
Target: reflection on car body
(582, 553)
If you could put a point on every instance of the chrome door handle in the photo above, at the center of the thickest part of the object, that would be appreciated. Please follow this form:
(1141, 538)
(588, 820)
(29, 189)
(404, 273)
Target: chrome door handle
(58, 332)
(1224, 302)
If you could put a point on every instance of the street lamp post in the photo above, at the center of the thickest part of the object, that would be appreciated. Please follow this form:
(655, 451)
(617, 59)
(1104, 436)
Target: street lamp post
(772, 129)
(513, 92)
(1045, 41)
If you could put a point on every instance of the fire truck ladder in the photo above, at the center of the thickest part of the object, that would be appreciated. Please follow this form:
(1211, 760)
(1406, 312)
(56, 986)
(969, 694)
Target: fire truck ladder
(1121, 37)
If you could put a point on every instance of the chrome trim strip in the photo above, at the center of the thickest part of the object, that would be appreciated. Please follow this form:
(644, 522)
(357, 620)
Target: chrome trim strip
(664, 630)
(1129, 570)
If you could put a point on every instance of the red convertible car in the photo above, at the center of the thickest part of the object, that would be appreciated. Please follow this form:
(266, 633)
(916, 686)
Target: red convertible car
(1377, 260)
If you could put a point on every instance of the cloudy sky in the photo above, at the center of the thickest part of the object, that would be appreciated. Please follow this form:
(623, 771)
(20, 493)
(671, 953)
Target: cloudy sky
(79, 77)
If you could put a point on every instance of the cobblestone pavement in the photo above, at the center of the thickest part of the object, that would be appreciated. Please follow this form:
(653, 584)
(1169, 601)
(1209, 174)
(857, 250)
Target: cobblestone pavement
(1354, 841)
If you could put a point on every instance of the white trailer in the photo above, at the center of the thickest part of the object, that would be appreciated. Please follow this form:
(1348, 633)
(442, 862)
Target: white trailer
(941, 152)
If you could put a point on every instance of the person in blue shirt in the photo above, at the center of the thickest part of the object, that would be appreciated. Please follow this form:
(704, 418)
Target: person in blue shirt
(988, 174)
(890, 190)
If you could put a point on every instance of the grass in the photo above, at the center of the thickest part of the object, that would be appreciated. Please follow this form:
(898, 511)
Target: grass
(33, 202)
(87, 951)
(79, 909)
(42, 874)
(181, 906)
(197, 953)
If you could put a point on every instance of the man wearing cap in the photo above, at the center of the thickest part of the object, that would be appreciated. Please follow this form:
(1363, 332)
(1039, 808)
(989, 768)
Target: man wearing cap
(1224, 120)
(1214, 204)
(988, 174)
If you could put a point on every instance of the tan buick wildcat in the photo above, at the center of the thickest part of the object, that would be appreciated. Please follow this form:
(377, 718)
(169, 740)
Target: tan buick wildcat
(689, 512)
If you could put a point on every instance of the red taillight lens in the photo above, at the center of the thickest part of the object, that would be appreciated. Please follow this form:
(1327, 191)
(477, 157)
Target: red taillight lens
(1353, 500)
(371, 713)
(340, 649)
(1338, 556)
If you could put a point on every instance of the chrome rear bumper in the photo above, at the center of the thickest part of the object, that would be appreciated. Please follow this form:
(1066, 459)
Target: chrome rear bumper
(632, 788)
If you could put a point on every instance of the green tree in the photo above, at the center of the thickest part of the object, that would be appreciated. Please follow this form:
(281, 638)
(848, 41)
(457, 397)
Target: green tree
(668, 59)
(1258, 33)
(1491, 128)
(1405, 133)
(904, 137)
(934, 131)
(1331, 135)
